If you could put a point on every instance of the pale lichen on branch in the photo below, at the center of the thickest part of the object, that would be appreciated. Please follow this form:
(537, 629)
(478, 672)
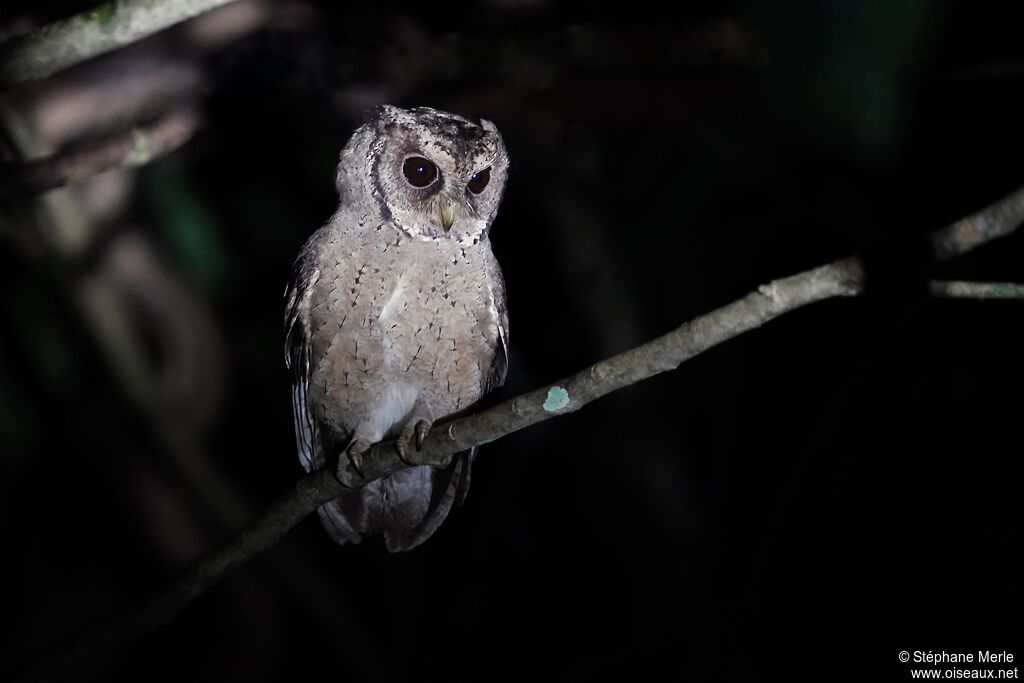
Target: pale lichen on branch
(957, 289)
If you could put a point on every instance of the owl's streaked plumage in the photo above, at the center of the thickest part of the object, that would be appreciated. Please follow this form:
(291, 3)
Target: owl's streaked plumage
(395, 314)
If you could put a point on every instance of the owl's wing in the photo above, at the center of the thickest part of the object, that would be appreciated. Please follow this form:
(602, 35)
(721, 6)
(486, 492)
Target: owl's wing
(499, 365)
(297, 348)
(312, 442)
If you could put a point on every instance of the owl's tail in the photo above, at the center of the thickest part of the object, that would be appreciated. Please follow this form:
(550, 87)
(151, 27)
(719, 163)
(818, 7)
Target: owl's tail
(407, 506)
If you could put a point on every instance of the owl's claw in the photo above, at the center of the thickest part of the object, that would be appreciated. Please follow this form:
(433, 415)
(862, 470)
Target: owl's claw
(355, 452)
(416, 428)
(422, 429)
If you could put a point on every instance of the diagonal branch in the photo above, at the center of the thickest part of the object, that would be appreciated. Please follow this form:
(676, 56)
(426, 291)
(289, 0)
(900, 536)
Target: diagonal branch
(840, 278)
(844, 277)
(958, 289)
(104, 28)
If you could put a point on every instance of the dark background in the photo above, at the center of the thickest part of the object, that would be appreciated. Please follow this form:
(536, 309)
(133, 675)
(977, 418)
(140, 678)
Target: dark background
(800, 503)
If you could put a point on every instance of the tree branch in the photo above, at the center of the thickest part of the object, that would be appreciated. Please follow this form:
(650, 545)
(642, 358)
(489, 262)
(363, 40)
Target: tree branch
(104, 28)
(844, 277)
(956, 289)
(840, 278)
(140, 145)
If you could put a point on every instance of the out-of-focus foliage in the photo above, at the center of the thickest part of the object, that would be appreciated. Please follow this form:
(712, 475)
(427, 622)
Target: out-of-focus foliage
(188, 227)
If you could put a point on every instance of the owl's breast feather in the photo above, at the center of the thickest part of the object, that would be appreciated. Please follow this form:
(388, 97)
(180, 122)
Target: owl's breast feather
(393, 303)
(417, 315)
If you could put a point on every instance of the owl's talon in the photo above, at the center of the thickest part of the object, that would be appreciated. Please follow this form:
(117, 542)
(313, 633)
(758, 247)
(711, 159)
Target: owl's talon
(414, 431)
(355, 452)
(422, 429)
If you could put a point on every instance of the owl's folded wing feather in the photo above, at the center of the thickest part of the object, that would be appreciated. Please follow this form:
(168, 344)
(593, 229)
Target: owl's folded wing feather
(336, 515)
(499, 365)
(297, 349)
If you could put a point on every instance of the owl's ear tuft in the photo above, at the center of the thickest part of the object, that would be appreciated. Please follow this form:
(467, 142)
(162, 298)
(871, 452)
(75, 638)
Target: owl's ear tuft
(377, 111)
(488, 126)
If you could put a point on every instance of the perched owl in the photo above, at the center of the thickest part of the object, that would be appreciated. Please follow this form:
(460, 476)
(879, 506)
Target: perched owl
(395, 314)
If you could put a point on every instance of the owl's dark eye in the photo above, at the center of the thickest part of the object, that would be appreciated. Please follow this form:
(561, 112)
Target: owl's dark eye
(479, 181)
(419, 172)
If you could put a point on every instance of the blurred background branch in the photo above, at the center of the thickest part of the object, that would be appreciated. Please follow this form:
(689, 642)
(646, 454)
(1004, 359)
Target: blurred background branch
(135, 147)
(106, 27)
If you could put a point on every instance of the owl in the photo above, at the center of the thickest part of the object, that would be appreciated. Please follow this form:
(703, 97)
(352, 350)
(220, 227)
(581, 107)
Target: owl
(395, 314)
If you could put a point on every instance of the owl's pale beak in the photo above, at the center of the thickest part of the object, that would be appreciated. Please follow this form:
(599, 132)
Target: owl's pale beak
(448, 213)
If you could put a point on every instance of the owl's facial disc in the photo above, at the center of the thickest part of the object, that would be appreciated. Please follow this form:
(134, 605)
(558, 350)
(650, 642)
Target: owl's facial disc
(432, 175)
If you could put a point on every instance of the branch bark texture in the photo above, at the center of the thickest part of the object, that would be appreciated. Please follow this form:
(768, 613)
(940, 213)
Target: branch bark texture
(958, 289)
(104, 28)
(840, 278)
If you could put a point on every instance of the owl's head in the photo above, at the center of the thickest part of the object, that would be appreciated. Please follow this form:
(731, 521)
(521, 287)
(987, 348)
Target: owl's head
(431, 174)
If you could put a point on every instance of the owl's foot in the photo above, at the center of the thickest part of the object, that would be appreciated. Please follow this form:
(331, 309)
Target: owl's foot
(354, 452)
(417, 429)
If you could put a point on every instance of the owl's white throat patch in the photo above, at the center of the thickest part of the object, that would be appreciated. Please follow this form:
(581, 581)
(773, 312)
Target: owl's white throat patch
(396, 401)
(394, 302)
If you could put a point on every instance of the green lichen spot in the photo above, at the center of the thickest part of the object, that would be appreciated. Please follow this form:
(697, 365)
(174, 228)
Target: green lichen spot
(1007, 290)
(557, 399)
(101, 14)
